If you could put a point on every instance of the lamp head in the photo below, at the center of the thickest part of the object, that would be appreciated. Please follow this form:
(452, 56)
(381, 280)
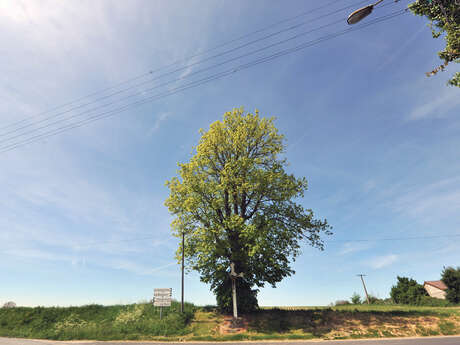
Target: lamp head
(359, 14)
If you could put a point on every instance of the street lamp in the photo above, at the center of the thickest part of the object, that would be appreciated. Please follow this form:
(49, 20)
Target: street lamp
(361, 13)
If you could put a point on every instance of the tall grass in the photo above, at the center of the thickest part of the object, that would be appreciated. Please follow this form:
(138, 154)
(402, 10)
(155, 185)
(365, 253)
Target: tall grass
(135, 321)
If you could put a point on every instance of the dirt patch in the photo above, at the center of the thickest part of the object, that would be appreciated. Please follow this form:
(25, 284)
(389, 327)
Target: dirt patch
(333, 324)
(231, 326)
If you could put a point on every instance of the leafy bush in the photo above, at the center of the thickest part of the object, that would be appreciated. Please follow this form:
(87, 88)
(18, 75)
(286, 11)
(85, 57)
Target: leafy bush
(374, 300)
(342, 302)
(429, 301)
(356, 298)
(407, 291)
(451, 277)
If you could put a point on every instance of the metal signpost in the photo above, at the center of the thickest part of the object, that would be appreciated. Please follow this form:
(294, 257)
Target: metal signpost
(162, 298)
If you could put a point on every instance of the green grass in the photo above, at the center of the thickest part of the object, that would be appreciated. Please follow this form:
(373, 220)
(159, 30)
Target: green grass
(96, 322)
(141, 322)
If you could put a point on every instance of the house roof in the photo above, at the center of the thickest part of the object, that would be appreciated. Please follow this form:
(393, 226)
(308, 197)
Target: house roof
(439, 284)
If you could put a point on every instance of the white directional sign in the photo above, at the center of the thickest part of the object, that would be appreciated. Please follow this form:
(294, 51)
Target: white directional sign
(162, 292)
(162, 297)
(161, 302)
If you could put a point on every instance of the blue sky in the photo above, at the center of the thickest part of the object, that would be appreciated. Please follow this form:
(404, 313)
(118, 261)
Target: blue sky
(82, 216)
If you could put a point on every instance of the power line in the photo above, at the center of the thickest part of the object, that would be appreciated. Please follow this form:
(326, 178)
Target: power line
(112, 112)
(183, 68)
(398, 238)
(140, 76)
(149, 89)
(90, 244)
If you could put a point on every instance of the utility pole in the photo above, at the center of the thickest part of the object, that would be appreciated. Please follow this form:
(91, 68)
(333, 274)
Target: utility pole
(183, 256)
(233, 276)
(364, 285)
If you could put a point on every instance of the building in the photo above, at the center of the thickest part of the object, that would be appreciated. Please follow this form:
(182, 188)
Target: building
(436, 288)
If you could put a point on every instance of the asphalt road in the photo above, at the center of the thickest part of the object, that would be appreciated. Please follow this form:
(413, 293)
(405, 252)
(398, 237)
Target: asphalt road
(405, 341)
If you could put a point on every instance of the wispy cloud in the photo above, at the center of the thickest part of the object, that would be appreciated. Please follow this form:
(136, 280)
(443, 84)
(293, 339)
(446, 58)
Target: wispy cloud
(432, 202)
(383, 261)
(354, 247)
(142, 269)
(437, 105)
(158, 121)
(390, 58)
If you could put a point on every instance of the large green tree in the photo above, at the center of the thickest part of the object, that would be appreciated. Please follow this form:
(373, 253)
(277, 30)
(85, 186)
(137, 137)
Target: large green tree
(236, 204)
(444, 17)
(407, 291)
(451, 277)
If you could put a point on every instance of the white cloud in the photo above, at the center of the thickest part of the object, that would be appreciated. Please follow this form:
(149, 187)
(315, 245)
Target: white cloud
(432, 202)
(369, 185)
(140, 269)
(158, 121)
(354, 247)
(396, 53)
(437, 105)
(383, 261)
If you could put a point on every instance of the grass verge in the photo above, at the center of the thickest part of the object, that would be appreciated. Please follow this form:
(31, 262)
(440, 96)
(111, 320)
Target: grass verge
(141, 322)
(119, 322)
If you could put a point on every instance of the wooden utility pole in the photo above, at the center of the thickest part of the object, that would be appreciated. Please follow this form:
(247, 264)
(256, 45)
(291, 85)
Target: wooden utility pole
(183, 257)
(364, 285)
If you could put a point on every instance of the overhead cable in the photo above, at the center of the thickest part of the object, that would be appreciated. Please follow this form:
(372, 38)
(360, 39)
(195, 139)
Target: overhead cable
(196, 83)
(151, 72)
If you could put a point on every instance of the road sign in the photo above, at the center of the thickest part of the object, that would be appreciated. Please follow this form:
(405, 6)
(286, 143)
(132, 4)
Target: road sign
(162, 292)
(162, 297)
(161, 302)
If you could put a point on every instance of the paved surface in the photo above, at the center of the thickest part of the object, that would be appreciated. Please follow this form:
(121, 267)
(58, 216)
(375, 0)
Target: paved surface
(406, 341)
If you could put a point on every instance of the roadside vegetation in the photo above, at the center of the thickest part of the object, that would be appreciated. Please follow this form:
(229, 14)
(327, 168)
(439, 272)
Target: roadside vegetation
(408, 312)
(136, 321)
(142, 322)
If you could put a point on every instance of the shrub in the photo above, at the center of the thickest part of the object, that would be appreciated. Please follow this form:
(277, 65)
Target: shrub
(342, 302)
(429, 301)
(374, 300)
(356, 298)
(407, 291)
(451, 277)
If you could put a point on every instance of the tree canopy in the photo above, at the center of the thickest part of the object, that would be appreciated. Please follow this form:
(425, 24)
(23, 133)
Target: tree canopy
(236, 204)
(444, 17)
(451, 277)
(407, 291)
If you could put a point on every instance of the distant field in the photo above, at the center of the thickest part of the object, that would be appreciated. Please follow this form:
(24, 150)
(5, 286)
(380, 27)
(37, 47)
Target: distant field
(374, 307)
(141, 322)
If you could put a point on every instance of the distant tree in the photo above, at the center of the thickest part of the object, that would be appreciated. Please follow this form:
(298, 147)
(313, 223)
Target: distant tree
(407, 291)
(444, 17)
(356, 298)
(342, 302)
(451, 277)
(9, 304)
